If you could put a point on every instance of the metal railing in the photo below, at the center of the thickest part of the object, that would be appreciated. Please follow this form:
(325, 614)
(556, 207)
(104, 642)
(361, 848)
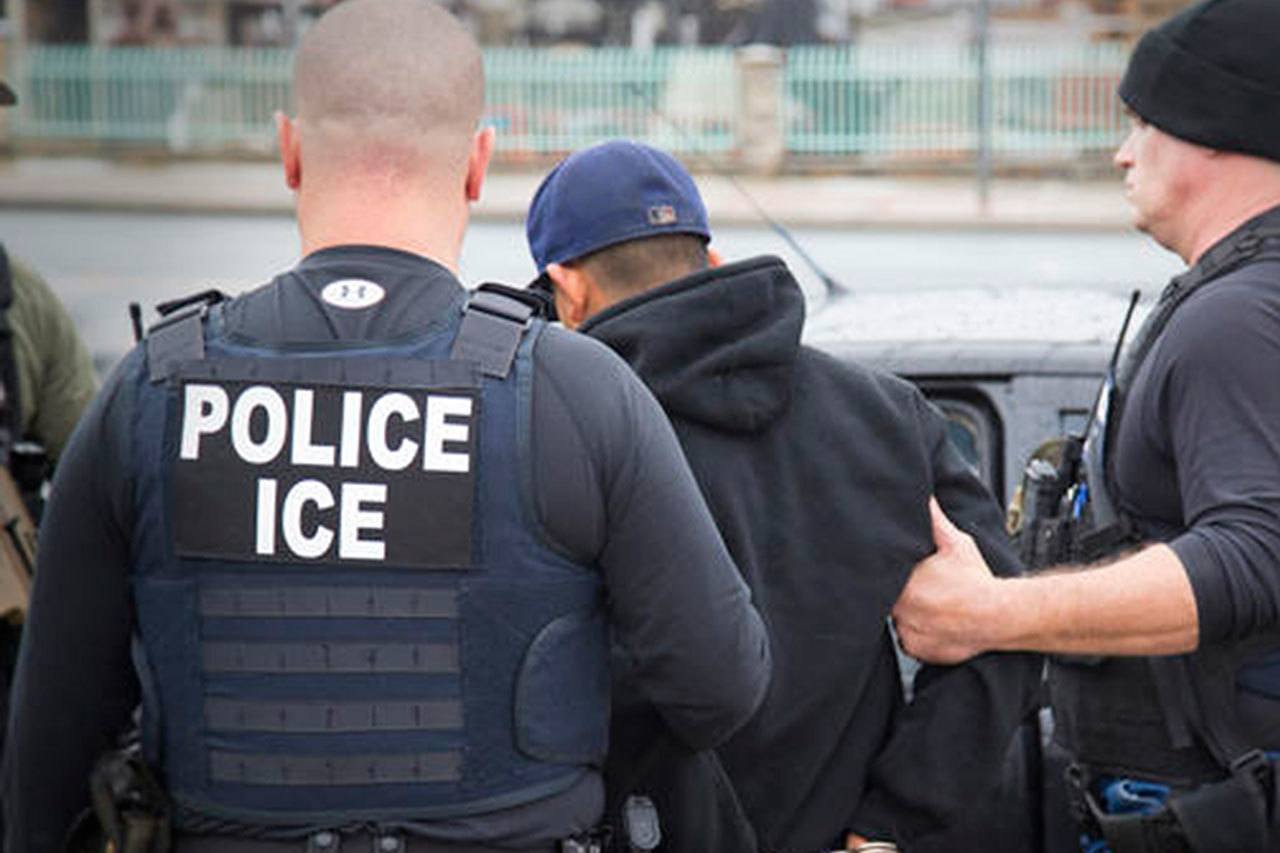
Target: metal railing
(922, 102)
(179, 98)
(551, 101)
(885, 102)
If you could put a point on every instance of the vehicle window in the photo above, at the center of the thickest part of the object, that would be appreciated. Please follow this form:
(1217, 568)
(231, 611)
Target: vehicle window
(1072, 421)
(973, 432)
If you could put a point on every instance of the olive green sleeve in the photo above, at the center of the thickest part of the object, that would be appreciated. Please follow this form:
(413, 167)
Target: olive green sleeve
(56, 379)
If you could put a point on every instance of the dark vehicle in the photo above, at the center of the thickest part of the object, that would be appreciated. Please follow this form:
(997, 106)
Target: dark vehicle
(1010, 369)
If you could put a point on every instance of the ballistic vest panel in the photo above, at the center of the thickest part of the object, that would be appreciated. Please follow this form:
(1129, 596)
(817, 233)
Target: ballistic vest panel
(1158, 717)
(464, 674)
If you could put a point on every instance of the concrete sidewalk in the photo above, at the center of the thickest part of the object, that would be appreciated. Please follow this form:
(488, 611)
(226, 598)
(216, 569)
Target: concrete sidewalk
(813, 201)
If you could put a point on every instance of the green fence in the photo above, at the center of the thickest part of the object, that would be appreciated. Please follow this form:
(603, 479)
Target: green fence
(542, 101)
(548, 101)
(182, 98)
(884, 102)
(922, 101)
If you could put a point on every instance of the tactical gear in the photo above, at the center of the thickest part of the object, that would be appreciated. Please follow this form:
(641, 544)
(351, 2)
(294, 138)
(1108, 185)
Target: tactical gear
(314, 647)
(17, 551)
(1170, 719)
(1128, 815)
(366, 841)
(1068, 511)
(10, 405)
(641, 825)
(1052, 517)
(130, 805)
(23, 467)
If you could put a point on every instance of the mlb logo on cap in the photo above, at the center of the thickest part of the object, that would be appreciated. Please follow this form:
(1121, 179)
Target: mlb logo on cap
(663, 214)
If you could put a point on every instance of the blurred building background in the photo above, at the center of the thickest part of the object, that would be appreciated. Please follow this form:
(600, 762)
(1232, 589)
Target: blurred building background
(625, 23)
(755, 85)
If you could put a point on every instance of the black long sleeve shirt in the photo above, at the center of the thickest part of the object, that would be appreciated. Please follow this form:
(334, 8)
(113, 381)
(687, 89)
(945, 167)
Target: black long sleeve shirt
(1198, 453)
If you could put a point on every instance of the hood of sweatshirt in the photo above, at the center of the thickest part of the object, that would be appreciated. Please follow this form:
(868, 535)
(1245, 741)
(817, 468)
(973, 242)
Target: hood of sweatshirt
(717, 347)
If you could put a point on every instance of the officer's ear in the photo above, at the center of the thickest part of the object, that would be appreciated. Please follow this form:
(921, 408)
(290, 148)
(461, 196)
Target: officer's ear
(714, 258)
(571, 287)
(478, 161)
(290, 150)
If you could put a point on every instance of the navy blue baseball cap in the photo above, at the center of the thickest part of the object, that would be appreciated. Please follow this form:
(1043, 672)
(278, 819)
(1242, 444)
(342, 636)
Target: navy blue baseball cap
(611, 193)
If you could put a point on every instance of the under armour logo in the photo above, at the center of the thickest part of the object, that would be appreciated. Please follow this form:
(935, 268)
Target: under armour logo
(352, 293)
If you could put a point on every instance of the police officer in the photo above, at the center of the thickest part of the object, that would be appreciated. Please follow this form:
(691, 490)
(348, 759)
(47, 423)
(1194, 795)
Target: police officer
(1168, 691)
(824, 531)
(46, 382)
(46, 375)
(354, 540)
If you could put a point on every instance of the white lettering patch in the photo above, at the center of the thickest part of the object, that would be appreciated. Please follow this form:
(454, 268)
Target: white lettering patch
(352, 293)
(291, 472)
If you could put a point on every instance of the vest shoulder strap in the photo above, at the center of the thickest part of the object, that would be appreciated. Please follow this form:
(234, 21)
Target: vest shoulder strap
(174, 340)
(493, 324)
(1220, 260)
(179, 334)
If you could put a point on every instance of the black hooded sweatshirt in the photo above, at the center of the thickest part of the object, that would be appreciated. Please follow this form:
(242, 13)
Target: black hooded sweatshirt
(818, 474)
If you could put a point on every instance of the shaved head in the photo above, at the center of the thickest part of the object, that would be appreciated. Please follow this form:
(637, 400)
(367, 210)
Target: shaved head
(390, 85)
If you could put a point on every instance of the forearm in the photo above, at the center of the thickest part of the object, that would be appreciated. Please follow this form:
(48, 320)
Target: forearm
(1140, 605)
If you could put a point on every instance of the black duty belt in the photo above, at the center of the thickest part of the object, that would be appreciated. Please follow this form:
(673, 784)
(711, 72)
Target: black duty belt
(332, 842)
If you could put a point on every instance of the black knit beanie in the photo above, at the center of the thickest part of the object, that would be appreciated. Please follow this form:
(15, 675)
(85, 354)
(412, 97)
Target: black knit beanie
(1211, 75)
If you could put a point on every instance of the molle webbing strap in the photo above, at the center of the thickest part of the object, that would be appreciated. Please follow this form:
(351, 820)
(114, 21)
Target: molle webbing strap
(252, 716)
(1218, 261)
(319, 602)
(310, 770)
(353, 658)
(492, 325)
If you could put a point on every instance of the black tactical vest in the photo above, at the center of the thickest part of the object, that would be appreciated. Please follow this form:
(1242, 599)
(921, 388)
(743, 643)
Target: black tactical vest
(1170, 718)
(346, 612)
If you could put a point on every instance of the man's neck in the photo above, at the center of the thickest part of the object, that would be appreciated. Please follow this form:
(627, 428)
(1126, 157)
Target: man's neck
(1228, 202)
(339, 216)
(1219, 228)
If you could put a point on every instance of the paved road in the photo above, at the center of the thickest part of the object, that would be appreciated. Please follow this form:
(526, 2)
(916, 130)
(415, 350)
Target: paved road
(833, 200)
(100, 261)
